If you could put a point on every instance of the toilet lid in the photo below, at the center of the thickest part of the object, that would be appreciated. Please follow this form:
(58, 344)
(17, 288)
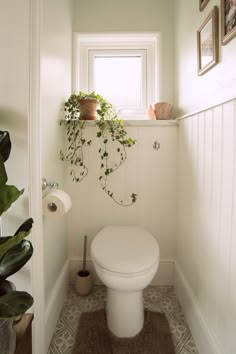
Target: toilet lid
(125, 249)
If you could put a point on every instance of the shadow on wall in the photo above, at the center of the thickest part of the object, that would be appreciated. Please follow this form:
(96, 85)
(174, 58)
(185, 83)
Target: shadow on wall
(16, 123)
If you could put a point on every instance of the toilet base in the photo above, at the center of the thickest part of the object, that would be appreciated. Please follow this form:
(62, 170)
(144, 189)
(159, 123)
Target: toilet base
(125, 312)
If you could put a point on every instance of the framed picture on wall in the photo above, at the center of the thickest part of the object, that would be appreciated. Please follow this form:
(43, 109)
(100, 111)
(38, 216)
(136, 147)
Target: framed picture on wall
(228, 20)
(207, 42)
(202, 4)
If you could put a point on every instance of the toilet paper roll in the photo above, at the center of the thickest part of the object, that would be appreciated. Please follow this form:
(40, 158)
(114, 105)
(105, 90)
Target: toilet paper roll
(56, 203)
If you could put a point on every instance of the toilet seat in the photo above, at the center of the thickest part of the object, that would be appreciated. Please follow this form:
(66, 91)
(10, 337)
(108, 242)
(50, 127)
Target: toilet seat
(113, 250)
(129, 274)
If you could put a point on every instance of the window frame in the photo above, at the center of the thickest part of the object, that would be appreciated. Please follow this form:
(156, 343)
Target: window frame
(85, 45)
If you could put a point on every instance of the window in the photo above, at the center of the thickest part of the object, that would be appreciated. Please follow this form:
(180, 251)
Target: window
(122, 68)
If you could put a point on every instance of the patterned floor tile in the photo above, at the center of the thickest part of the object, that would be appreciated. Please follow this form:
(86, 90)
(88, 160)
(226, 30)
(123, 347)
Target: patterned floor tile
(156, 298)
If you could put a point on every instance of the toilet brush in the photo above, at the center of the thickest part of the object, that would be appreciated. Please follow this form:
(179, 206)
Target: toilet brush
(84, 272)
(83, 280)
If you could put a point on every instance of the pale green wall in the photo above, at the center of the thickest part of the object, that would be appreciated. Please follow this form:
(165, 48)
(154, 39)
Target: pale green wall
(132, 16)
(193, 92)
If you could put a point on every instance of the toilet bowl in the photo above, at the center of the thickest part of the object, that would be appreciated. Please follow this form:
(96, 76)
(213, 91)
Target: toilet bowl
(125, 259)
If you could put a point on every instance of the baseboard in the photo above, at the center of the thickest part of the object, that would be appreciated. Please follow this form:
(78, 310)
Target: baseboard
(164, 276)
(204, 339)
(55, 303)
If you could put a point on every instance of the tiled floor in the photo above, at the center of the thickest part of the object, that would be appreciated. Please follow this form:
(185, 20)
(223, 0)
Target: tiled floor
(156, 298)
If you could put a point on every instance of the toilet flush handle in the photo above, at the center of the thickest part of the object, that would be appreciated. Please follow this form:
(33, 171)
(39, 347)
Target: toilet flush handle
(156, 145)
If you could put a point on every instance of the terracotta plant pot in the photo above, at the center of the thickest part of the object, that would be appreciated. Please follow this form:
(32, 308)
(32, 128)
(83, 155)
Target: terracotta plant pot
(88, 109)
(163, 110)
(83, 282)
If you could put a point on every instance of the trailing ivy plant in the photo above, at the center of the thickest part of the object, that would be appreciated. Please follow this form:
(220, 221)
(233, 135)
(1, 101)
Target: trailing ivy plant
(76, 144)
(111, 130)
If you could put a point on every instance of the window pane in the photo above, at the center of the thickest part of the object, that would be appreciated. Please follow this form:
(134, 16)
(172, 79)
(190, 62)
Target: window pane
(119, 79)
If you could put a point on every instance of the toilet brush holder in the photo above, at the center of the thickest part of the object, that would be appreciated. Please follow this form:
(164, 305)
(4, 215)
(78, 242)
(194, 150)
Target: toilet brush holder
(83, 282)
(83, 279)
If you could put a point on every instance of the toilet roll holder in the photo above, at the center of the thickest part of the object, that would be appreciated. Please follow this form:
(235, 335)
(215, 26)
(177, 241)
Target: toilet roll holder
(49, 184)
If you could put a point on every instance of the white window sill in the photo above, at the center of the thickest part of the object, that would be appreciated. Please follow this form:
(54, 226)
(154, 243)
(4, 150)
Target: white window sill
(141, 123)
(149, 123)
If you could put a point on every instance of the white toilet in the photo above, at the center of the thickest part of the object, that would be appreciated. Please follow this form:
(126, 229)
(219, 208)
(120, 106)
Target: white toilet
(126, 259)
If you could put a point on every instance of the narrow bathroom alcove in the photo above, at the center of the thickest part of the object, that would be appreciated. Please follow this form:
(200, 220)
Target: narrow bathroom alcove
(186, 188)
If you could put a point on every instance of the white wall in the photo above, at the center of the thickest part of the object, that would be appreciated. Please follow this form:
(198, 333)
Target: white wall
(193, 92)
(132, 16)
(14, 113)
(55, 86)
(206, 246)
(149, 173)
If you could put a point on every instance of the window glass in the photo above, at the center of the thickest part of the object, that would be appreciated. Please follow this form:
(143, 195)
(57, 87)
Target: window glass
(119, 79)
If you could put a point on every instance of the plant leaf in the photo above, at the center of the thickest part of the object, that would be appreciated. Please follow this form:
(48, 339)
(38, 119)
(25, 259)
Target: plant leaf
(8, 195)
(15, 258)
(26, 226)
(10, 242)
(15, 304)
(5, 145)
(3, 174)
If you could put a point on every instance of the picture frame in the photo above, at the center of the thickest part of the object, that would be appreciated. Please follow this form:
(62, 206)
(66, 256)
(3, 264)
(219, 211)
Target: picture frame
(202, 4)
(207, 42)
(228, 20)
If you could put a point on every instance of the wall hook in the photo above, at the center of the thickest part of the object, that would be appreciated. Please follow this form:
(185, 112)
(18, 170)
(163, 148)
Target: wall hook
(156, 145)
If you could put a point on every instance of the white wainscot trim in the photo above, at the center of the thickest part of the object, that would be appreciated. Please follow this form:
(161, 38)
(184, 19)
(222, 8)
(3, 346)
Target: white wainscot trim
(164, 276)
(55, 303)
(204, 339)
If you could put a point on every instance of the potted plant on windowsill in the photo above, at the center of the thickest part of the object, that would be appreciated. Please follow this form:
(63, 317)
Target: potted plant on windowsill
(111, 130)
(15, 252)
(83, 106)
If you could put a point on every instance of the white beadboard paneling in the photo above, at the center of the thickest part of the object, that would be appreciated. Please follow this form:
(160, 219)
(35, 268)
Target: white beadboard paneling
(199, 223)
(207, 265)
(181, 201)
(193, 203)
(231, 307)
(207, 208)
(215, 211)
(225, 219)
(188, 192)
(185, 191)
(206, 342)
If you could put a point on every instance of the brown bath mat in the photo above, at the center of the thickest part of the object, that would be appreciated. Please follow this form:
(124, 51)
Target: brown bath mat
(94, 337)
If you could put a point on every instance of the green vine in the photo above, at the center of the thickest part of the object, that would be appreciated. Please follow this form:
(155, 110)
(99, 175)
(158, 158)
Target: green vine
(110, 130)
(114, 131)
(76, 145)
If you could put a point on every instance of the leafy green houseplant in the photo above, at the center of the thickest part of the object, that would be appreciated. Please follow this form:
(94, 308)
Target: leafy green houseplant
(15, 252)
(110, 130)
